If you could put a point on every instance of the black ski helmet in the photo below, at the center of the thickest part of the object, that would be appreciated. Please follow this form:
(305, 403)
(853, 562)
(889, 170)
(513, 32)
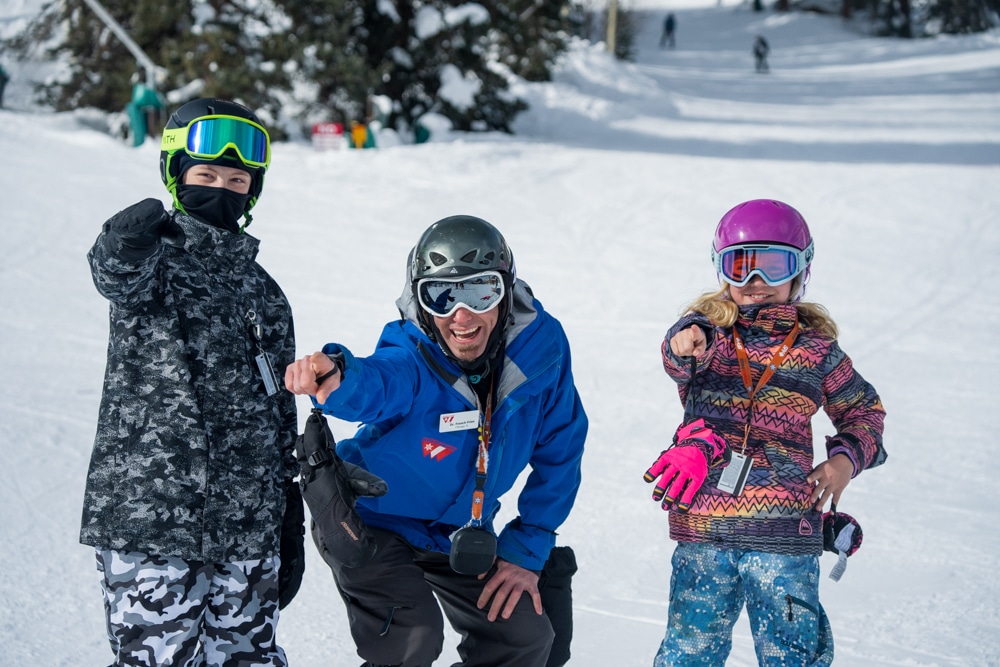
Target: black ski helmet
(172, 157)
(462, 245)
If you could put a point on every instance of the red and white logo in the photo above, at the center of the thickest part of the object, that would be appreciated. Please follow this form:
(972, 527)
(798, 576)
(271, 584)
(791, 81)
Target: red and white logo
(436, 450)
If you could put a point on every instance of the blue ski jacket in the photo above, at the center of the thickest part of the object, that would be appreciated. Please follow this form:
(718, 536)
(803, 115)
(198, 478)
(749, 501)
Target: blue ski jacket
(405, 393)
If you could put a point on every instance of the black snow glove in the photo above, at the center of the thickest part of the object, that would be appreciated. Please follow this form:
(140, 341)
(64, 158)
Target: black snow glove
(135, 232)
(556, 590)
(293, 546)
(331, 487)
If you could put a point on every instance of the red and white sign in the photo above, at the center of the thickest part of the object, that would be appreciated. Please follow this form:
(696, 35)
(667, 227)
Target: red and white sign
(328, 136)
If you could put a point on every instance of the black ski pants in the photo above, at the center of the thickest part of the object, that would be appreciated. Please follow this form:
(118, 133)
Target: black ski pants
(396, 620)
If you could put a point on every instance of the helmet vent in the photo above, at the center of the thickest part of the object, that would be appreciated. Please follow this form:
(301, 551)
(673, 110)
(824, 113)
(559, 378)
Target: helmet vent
(470, 256)
(489, 257)
(438, 258)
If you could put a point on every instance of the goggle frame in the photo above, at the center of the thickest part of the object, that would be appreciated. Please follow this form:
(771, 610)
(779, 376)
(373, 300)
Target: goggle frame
(178, 138)
(499, 293)
(802, 260)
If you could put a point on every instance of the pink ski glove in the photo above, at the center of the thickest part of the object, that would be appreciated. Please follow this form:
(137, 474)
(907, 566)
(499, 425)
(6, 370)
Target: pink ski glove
(682, 469)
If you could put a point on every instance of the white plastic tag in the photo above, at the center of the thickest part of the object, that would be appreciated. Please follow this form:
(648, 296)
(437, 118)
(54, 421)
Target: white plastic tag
(843, 544)
(458, 421)
(267, 373)
(734, 476)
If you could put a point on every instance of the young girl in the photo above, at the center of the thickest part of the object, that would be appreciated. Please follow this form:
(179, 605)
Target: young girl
(754, 364)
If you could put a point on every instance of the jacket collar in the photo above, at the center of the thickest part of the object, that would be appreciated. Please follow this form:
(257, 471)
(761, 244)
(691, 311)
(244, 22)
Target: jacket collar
(202, 238)
(772, 319)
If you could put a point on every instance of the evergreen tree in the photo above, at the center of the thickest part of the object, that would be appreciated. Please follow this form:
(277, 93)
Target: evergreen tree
(101, 68)
(451, 47)
(309, 60)
(337, 56)
(954, 17)
(920, 18)
(626, 29)
(529, 35)
(220, 48)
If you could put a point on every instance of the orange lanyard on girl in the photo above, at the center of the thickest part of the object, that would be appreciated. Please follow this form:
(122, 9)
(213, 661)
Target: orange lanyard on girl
(479, 495)
(744, 361)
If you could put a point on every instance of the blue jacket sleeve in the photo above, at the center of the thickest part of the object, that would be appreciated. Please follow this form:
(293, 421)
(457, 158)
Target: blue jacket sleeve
(373, 388)
(550, 490)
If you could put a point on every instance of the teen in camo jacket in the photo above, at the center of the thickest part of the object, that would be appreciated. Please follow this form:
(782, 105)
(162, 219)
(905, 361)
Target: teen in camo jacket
(758, 547)
(194, 453)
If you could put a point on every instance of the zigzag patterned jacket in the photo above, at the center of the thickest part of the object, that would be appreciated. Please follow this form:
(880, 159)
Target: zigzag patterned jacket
(191, 457)
(773, 514)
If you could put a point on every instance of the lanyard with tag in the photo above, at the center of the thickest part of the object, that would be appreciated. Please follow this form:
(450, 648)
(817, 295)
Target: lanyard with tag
(263, 360)
(473, 548)
(479, 495)
(735, 475)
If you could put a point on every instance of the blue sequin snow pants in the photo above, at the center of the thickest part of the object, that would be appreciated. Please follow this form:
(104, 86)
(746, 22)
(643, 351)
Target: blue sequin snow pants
(708, 588)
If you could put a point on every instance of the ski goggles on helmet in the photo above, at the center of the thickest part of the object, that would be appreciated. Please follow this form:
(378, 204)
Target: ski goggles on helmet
(775, 264)
(479, 292)
(208, 137)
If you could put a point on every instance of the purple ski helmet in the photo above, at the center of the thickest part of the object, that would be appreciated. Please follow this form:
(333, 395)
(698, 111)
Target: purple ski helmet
(762, 221)
(765, 221)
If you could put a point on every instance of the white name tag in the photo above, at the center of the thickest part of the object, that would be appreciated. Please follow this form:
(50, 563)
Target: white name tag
(459, 421)
(734, 475)
(267, 373)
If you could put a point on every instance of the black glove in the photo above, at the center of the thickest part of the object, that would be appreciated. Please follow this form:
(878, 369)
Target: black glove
(135, 232)
(364, 483)
(330, 487)
(293, 546)
(556, 590)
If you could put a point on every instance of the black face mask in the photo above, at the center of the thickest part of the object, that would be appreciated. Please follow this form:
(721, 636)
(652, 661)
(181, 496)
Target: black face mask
(219, 207)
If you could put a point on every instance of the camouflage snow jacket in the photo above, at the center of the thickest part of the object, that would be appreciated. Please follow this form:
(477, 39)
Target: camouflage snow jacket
(191, 456)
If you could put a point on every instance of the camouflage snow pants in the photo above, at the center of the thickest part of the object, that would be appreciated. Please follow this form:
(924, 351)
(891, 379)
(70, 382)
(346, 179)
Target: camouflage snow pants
(166, 611)
(708, 588)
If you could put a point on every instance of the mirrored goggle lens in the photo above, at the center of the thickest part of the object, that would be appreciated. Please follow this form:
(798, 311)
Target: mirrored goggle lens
(210, 137)
(481, 293)
(774, 264)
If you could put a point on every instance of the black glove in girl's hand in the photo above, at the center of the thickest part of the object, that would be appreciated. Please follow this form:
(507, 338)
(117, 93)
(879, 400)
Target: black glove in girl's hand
(134, 233)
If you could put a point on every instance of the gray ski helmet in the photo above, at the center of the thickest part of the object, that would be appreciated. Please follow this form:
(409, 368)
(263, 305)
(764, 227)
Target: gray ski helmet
(461, 245)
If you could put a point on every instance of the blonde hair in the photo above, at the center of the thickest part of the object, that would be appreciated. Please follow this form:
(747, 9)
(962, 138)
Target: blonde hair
(721, 311)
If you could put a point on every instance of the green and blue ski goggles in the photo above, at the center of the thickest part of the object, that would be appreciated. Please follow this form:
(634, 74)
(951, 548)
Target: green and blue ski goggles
(208, 137)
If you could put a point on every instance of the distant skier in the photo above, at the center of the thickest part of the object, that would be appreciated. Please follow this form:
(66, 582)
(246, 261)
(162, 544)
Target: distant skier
(760, 50)
(753, 364)
(669, 24)
(3, 83)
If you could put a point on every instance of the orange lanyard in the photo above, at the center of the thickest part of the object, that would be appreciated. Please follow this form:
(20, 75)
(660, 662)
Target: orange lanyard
(744, 361)
(479, 495)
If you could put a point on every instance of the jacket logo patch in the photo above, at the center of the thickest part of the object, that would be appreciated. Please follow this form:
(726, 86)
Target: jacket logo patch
(436, 450)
